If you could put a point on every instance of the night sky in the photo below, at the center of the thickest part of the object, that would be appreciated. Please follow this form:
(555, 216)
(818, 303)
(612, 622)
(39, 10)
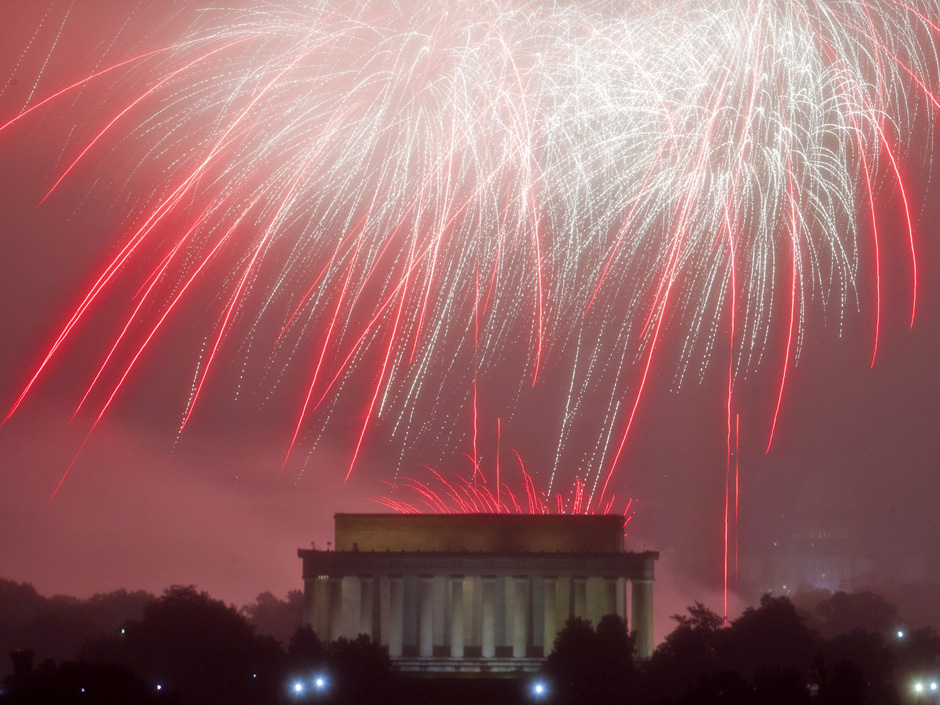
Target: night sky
(144, 508)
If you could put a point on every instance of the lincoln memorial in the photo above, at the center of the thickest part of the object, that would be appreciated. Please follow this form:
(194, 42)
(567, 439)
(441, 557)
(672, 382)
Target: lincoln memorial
(474, 592)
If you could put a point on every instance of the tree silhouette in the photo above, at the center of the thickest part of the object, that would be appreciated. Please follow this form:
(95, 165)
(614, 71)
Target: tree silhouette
(57, 627)
(74, 684)
(860, 668)
(781, 686)
(203, 649)
(846, 685)
(845, 612)
(687, 655)
(770, 637)
(360, 670)
(305, 648)
(591, 666)
(274, 617)
(720, 688)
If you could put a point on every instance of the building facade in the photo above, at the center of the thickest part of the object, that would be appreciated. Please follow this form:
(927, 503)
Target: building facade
(474, 593)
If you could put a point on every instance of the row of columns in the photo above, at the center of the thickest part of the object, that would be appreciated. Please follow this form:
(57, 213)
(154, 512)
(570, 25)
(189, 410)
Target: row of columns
(453, 615)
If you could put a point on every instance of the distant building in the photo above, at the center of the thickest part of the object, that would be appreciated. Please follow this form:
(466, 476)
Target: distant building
(474, 592)
(824, 553)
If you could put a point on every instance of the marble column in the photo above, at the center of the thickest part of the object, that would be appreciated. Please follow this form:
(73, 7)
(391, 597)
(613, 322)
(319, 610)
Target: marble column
(321, 611)
(440, 615)
(520, 616)
(472, 590)
(622, 598)
(351, 603)
(367, 612)
(456, 616)
(536, 613)
(383, 609)
(396, 630)
(550, 617)
(579, 598)
(564, 601)
(488, 626)
(310, 604)
(642, 616)
(425, 616)
(609, 596)
(410, 634)
(335, 601)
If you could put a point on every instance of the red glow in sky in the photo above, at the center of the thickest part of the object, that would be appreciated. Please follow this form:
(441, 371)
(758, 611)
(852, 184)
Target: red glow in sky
(146, 507)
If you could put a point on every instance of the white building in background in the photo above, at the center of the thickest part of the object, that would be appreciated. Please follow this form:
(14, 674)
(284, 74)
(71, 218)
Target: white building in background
(474, 593)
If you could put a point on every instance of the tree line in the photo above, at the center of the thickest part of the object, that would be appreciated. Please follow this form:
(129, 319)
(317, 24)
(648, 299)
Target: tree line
(849, 650)
(186, 648)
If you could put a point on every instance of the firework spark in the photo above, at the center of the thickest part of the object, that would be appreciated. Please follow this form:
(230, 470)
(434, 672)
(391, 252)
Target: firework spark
(429, 201)
(458, 495)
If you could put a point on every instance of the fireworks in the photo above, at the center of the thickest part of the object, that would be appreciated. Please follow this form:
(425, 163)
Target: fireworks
(436, 203)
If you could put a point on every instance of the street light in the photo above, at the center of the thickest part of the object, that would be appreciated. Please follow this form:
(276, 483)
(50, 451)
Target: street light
(317, 684)
(539, 690)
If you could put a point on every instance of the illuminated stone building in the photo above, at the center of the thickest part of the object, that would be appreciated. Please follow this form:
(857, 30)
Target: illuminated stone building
(474, 592)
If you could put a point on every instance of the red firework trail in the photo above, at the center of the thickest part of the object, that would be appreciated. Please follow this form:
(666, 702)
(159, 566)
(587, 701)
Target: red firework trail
(449, 207)
(458, 495)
